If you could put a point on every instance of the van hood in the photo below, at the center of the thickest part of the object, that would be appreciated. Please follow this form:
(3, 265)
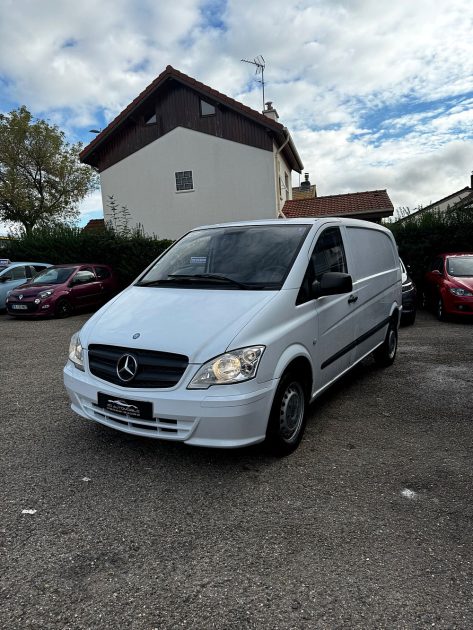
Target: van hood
(199, 323)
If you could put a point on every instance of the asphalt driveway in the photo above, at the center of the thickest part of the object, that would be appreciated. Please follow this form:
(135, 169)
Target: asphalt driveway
(368, 525)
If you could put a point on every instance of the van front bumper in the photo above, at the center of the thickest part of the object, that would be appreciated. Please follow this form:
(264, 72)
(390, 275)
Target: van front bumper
(213, 417)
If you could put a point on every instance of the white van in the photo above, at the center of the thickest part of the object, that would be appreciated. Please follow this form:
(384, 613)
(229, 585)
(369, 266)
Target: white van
(228, 336)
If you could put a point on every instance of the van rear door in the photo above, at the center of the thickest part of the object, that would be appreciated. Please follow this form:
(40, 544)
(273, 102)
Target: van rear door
(376, 283)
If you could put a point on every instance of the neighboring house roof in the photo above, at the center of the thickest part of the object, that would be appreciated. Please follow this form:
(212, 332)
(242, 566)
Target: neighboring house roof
(372, 204)
(455, 198)
(93, 225)
(280, 132)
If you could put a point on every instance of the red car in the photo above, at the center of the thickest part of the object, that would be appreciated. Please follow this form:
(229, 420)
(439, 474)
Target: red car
(62, 289)
(448, 286)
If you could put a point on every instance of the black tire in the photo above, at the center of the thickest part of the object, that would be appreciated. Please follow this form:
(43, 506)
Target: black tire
(63, 309)
(288, 415)
(408, 320)
(440, 310)
(424, 302)
(386, 353)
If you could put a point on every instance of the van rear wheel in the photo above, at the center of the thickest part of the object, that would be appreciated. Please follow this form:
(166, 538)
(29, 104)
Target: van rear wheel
(386, 353)
(288, 415)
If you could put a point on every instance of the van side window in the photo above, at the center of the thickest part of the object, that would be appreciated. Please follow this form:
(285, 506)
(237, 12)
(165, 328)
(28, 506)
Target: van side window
(372, 252)
(328, 255)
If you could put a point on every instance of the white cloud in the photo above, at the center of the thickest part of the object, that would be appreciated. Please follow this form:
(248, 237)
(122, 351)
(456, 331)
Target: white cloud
(372, 91)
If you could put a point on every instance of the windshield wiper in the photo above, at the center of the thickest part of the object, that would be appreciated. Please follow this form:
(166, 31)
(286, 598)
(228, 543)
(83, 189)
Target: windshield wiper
(210, 276)
(152, 283)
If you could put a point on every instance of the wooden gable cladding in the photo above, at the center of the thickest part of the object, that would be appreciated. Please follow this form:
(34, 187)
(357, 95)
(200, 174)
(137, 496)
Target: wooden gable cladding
(176, 105)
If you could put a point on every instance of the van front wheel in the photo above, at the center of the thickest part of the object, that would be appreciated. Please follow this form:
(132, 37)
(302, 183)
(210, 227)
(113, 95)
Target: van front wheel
(385, 354)
(288, 416)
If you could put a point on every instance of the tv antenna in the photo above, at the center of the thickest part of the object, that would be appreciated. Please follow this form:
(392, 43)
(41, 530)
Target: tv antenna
(260, 64)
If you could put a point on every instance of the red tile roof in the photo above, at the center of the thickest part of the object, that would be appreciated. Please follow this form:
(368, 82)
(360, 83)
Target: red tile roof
(94, 224)
(172, 73)
(373, 203)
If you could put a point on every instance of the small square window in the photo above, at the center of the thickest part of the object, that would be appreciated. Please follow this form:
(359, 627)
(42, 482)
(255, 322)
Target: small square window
(206, 109)
(184, 180)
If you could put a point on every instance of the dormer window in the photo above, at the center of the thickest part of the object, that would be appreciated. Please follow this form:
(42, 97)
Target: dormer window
(152, 120)
(206, 109)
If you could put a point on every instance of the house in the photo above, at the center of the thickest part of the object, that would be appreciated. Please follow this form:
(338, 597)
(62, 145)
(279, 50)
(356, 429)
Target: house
(372, 205)
(94, 225)
(182, 155)
(442, 205)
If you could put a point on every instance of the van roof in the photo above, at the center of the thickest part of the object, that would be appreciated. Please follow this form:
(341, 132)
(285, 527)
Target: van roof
(299, 221)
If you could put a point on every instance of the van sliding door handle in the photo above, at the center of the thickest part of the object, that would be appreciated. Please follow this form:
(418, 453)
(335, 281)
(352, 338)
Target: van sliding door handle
(352, 299)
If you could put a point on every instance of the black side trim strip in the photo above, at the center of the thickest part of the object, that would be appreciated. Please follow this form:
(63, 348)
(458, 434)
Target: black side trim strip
(355, 343)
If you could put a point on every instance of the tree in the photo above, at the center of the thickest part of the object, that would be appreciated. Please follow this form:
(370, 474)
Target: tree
(41, 178)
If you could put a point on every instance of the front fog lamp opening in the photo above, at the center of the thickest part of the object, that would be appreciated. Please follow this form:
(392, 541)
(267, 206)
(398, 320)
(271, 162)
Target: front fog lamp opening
(232, 367)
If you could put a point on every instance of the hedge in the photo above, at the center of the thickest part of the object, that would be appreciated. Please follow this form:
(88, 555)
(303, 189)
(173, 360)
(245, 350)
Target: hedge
(420, 240)
(128, 255)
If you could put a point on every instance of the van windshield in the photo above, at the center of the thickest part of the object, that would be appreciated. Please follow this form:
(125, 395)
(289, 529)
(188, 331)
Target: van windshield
(251, 257)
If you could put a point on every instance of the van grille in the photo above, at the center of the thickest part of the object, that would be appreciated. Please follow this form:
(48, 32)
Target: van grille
(155, 369)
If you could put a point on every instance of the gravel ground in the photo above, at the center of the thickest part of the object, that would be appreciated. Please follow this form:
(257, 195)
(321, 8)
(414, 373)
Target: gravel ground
(367, 525)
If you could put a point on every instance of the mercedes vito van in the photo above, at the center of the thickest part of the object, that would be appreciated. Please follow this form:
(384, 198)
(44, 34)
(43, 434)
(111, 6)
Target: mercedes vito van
(229, 335)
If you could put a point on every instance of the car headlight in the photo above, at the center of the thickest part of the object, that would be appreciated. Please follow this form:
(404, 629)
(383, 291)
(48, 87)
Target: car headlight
(232, 367)
(76, 352)
(407, 286)
(9, 293)
(44, 294)
(460, 292)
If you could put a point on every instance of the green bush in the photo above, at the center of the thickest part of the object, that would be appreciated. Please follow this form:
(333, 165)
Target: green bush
(420, 240)
(128, 254)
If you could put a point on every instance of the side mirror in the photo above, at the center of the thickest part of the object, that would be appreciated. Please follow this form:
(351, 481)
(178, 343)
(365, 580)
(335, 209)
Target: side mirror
(436, 272)
(332, 283)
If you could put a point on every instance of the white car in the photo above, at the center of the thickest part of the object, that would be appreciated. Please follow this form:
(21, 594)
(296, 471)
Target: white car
(12, 274)
(229, 335)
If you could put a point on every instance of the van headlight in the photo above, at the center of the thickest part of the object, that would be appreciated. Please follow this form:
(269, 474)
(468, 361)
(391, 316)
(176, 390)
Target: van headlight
(231, 367)
(76, 352)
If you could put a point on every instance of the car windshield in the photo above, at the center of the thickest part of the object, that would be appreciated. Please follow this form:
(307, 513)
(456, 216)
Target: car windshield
(460, 266)
(252, 257)
(53, 275)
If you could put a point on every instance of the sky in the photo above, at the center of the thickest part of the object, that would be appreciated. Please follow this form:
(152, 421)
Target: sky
(376, 94)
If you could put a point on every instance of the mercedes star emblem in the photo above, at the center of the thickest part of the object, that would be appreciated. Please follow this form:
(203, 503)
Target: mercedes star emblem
(127, 367)
(20, 297)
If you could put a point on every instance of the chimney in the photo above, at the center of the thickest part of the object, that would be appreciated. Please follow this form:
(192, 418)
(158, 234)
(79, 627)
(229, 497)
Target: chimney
(270, 112)
(305, 185)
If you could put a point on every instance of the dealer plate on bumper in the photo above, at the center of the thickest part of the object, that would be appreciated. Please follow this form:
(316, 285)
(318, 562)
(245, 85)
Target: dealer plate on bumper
(125, 407)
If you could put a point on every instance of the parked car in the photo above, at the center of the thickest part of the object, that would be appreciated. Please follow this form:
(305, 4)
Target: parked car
(228, 336)
(448, 285)
(409, 298)
(12, 274)
(62, 289)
